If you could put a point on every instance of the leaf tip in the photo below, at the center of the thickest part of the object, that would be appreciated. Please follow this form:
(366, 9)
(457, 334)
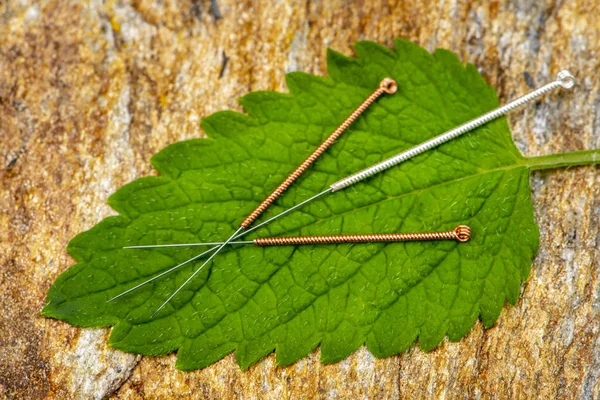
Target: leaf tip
(47, 310)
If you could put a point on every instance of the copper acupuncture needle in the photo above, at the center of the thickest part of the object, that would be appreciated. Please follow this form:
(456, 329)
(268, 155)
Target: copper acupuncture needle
(564, 79)
(387, 85)
(461, 233)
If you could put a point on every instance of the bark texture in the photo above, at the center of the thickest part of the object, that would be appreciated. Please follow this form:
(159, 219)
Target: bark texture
(90, 90)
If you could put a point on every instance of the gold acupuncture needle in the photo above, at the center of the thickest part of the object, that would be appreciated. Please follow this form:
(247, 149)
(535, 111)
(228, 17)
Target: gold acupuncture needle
(387, 85)
(461, 233)
(564, 79)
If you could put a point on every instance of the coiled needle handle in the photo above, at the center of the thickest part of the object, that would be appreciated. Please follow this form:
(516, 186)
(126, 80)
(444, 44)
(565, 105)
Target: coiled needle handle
(461, 233)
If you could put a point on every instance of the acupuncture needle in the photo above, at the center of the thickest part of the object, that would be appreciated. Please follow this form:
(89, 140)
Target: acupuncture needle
(461, 233)
(386, 86)
(564, 79)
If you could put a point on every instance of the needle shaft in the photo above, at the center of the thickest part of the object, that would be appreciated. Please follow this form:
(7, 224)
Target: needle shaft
(152, 246)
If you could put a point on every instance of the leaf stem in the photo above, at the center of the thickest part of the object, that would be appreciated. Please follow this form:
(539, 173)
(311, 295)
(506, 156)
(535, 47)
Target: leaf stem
(564, 160)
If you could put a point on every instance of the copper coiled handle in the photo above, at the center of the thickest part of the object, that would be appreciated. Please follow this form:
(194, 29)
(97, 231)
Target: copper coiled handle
(461, 233)
(387, 85)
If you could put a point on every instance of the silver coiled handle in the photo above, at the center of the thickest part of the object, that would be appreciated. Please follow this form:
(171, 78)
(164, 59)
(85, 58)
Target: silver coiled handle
(564, 79)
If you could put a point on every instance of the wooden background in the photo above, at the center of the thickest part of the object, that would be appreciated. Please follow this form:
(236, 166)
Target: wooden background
(90, 90)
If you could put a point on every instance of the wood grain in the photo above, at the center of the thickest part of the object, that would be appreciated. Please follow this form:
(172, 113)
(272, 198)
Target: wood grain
(90, 90)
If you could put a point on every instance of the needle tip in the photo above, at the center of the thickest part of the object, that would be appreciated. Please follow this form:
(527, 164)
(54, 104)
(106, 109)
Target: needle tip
(156, 312)
(114, 298)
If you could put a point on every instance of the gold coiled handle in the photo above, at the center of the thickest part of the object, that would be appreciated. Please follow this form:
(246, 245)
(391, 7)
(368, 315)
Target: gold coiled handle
(461, 233)
(387, 85)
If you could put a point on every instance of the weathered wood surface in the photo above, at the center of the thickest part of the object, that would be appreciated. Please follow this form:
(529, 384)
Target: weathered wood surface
(89, 91)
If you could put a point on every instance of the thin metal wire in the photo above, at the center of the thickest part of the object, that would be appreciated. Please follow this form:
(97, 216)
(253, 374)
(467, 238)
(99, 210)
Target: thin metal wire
(153, 246)
(162, 274)
(387, 85)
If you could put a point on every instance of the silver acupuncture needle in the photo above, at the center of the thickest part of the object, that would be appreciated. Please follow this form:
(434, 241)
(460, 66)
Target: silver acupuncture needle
(387, 85)
(564, 79)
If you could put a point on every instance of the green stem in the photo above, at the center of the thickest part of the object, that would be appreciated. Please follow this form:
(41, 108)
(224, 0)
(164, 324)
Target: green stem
(564, 160)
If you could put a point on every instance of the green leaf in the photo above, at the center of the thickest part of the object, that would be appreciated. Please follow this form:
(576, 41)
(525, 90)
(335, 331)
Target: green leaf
(256, 300)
